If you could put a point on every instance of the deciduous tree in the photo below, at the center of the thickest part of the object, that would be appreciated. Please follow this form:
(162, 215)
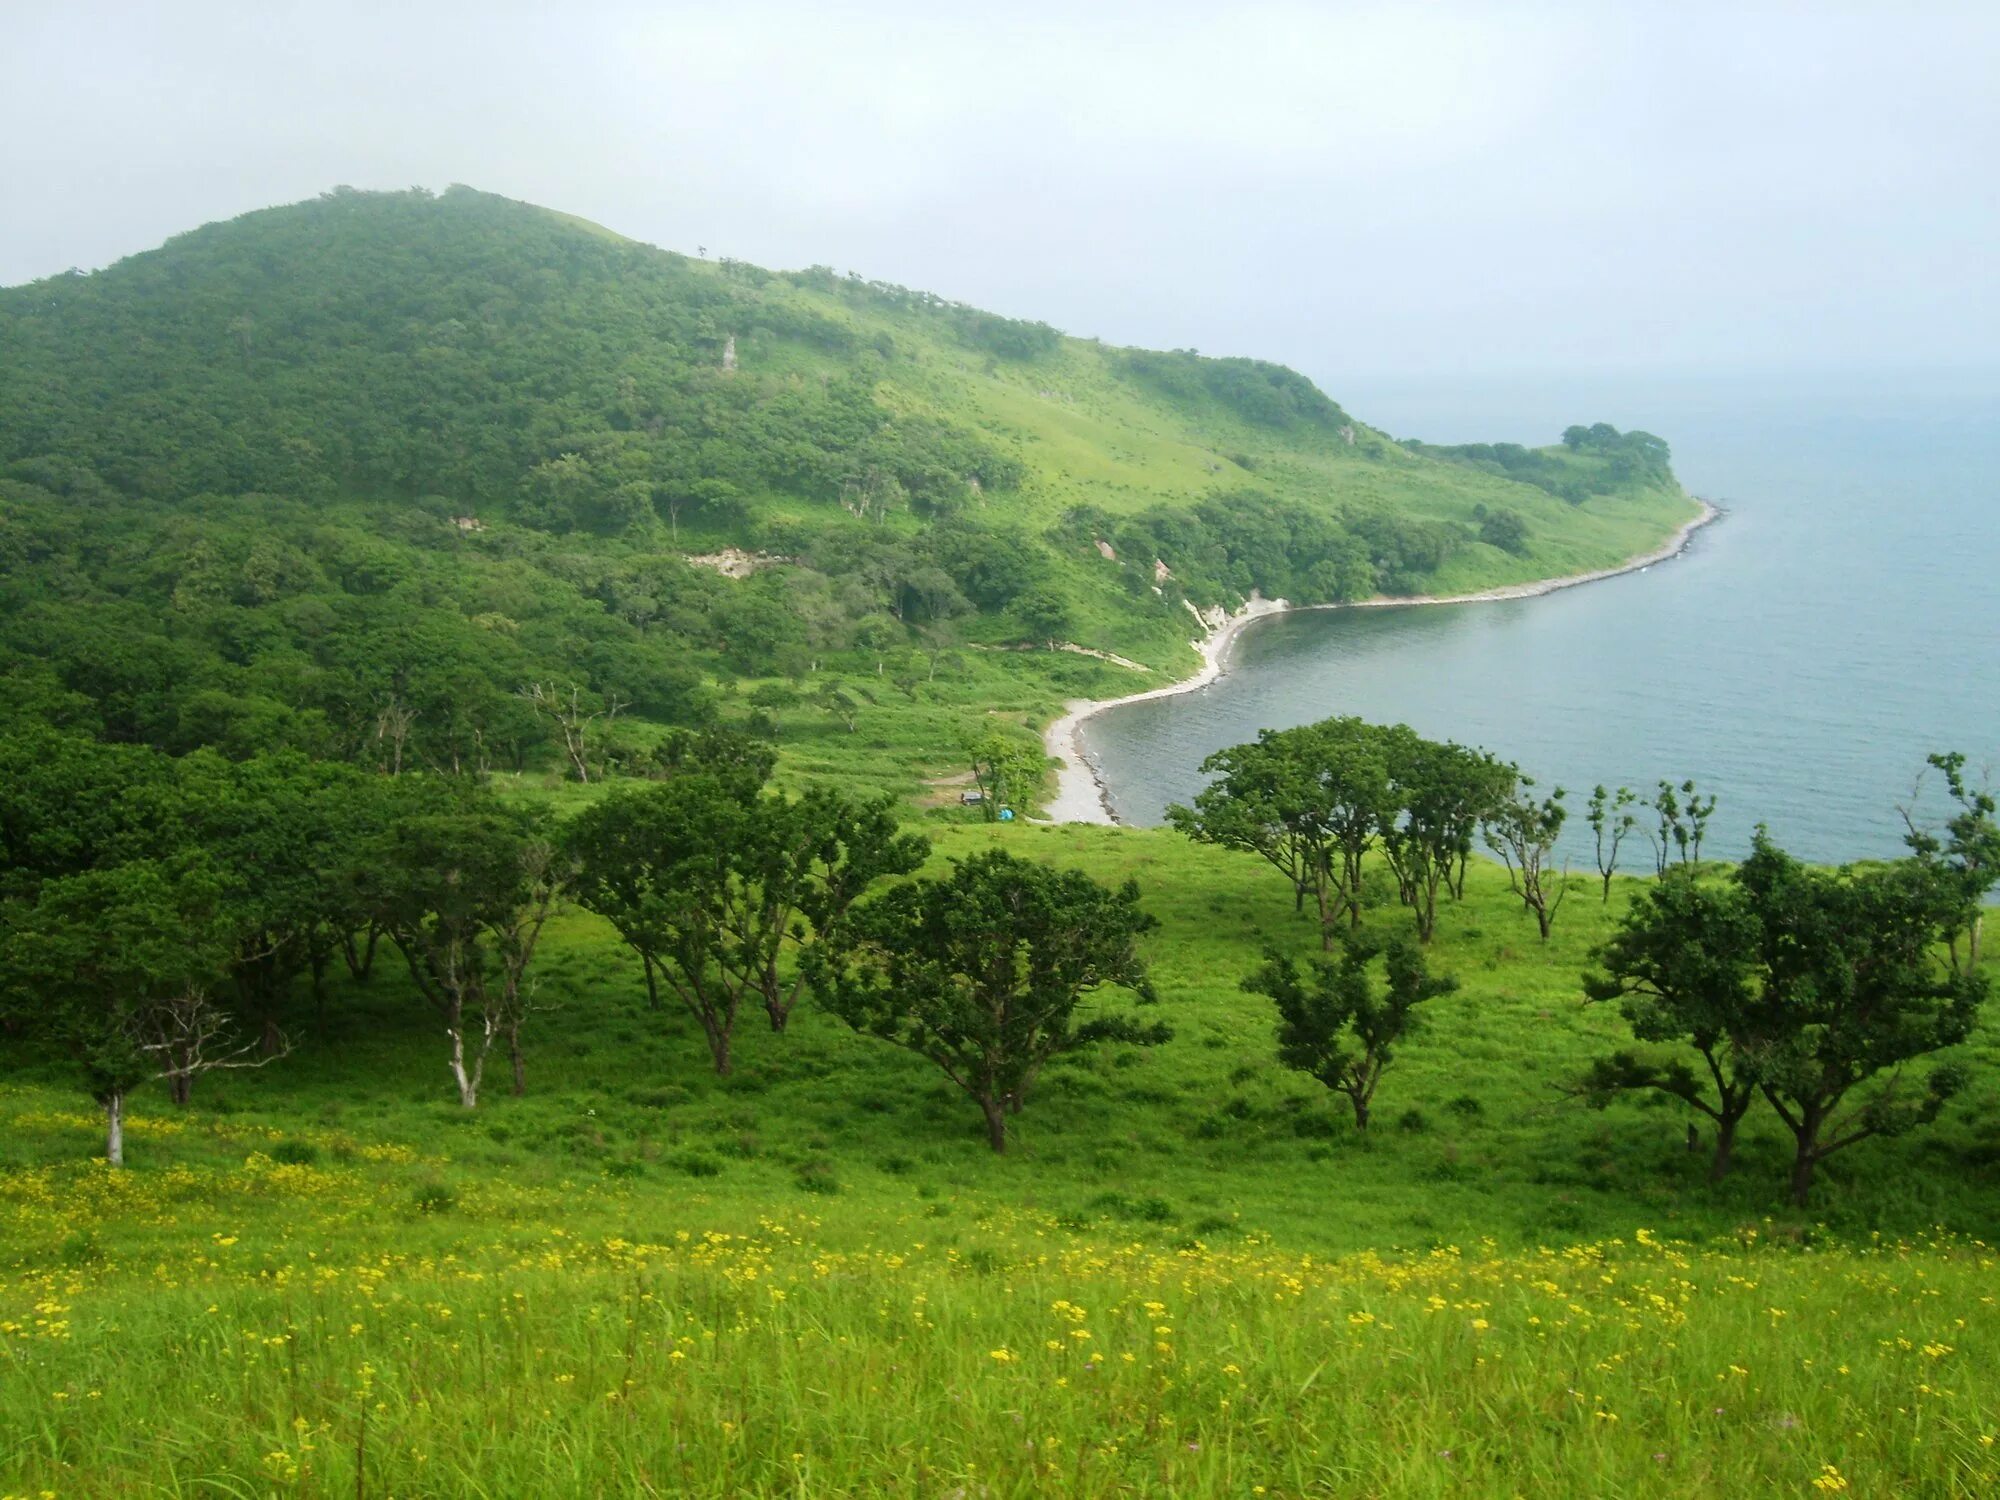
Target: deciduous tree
(1611, 823)
(464, 895)
(98, 961)
(985, 973)
(1335, 1026)
(1307, 801)
(1523, 832)
(1854, 991)
(1682, 968)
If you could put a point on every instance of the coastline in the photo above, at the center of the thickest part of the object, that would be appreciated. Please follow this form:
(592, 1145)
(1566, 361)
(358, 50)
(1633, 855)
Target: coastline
(1080, 795)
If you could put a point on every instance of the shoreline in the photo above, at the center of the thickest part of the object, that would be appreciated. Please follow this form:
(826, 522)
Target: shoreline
(1080, 794)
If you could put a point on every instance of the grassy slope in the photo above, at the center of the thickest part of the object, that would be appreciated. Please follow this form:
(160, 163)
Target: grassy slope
(419, 1242)
(1092, 435)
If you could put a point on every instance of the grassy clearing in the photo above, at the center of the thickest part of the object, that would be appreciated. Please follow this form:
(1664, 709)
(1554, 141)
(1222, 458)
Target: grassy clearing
(812, 1278)
(951, 1346)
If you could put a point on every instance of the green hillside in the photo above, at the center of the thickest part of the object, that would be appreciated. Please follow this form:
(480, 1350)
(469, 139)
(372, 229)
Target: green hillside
(259, 481)
(501, 992)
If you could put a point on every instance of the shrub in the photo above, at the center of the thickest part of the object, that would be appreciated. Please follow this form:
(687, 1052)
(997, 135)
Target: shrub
(433, 1198)
(816, 1177)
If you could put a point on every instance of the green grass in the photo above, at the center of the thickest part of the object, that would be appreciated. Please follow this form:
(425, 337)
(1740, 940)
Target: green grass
(509, 1294)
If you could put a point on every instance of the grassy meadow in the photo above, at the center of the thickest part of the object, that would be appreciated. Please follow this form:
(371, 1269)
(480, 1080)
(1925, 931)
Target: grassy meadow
(1191, 1275)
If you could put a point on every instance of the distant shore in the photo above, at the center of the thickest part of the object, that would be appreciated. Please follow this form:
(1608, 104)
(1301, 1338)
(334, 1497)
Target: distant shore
(1080, 795)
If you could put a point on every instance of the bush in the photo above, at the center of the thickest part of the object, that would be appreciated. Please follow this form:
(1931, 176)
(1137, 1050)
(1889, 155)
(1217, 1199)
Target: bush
(295, 1153)
(433, 1198)
(1413, 1122)
(1315, 1125)
(816, 1177)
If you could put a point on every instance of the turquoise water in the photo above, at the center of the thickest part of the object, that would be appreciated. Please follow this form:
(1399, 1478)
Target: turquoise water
(1800, 659)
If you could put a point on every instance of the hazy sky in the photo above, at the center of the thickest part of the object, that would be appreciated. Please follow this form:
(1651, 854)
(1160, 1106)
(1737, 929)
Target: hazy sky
(1353, 189)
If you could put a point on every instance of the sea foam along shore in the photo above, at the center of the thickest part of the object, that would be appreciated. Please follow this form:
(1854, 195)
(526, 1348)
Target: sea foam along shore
(1080, 793)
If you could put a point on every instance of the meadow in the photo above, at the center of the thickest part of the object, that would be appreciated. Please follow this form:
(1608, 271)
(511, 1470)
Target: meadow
(1191, 1276)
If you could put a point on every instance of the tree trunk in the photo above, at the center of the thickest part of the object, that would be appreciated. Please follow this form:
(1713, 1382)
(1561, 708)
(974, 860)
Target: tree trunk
(514, 1057)
(1805, 1155)
(468, 1086)
(114, 1127)
(1802, 1175)
(273, 1040)
(1725, 1148)
(1360, 1111)
(360, 959)
(996, 1124)
(718, 1048)
(182, 1087)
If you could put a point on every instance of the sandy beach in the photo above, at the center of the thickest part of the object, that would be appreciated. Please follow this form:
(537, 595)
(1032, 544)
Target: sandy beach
(1079, 795)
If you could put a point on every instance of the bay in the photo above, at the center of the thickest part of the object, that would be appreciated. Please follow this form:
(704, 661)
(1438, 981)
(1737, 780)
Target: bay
(1799, 660)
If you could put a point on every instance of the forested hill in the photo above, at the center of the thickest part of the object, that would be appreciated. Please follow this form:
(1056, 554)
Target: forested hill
(496, 430)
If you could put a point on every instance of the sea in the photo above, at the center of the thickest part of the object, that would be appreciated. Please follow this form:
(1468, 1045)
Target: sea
(1798, 661)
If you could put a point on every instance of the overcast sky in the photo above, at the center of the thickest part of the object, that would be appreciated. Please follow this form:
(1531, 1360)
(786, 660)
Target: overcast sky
(1353, 189)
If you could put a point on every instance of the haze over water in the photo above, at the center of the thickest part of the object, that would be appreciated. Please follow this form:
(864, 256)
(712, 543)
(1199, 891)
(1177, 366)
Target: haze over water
(1799, 660)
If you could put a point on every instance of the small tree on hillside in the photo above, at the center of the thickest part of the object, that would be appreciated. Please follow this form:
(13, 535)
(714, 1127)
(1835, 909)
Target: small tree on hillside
(1612, 821)
(464, 895)
(984, 973)
(838, 703)
(1308, 802)
(1683, 816)
(101, 963)
(1005, 769)
(661, 864)
(1968, 855)
(1439, 795)
(722, 889)
(571, 711)
(821, 855)
(1682, 969)
(1335, 1026)
(1523, 832)
(1854, 991)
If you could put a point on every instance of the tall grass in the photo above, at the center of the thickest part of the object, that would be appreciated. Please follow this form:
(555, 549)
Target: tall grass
(1008, 1356)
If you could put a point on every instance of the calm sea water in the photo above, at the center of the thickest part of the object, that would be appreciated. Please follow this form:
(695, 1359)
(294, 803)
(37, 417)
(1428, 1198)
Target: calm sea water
(1799, 660)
